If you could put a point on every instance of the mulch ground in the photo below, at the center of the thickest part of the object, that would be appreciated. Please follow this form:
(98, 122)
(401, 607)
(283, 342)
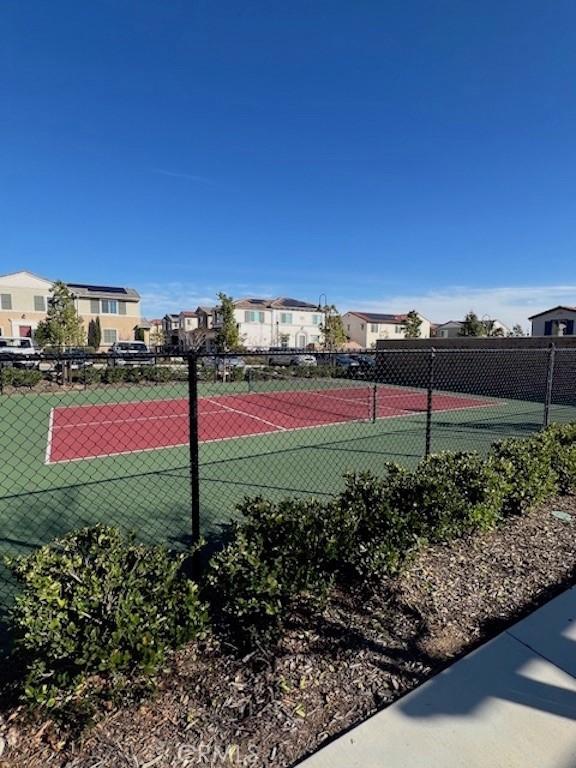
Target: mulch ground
(329, 672)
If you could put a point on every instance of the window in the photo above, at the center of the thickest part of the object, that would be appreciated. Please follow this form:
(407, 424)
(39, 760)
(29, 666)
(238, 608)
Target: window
(316, 319)
(399, 329)
(5, 301)
(373, 327)
(39, 304)
(122, 307)
(109, 307)
(109, 335)
(286, 318)
(253, 317)
(362, 326)
(315, 339)
(94, 306)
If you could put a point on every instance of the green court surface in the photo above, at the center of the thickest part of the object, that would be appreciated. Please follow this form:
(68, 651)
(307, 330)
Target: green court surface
(149, 491)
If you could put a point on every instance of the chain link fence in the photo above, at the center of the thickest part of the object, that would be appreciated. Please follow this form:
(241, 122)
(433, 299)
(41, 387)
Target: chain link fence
(167, 446)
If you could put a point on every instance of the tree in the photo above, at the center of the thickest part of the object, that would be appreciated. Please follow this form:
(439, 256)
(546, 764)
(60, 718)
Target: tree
(332, 330)
(412, 325)
(472, 326)
(62, 327)
(227, 335)
(139, 334)
(94, 334)
(517, 330)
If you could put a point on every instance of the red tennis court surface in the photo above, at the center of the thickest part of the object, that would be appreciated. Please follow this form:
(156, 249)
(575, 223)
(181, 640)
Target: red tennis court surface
(90, 431)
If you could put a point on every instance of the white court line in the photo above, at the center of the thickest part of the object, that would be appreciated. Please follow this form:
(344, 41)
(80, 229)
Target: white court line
(130, 421)
(245, 413)
(50, 435)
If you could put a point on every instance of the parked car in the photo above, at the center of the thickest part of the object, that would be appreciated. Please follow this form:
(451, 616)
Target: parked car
(287, 357)
(14, 352)
(222, 362)
(346, 363)
(303, 360)
(131, 353)
(367, 364)
(75, 358)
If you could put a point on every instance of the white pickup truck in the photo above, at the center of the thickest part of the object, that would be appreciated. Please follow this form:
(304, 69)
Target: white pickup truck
(14, 347)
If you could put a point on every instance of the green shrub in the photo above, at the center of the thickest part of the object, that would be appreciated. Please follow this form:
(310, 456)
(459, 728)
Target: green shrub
(562, 446)
(88, 375)
(114, 375)
(136, 374)
(21, 378)
(158, 373)
(280, 552)
(96, 608)
(526, 466)
(376, 531)
(451, 494)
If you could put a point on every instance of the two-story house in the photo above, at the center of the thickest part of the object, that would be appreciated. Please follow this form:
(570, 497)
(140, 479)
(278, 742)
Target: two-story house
(366, 328)
(278, 322)
(118, 310)
(24, 299)
(23, 303)
(558, 321)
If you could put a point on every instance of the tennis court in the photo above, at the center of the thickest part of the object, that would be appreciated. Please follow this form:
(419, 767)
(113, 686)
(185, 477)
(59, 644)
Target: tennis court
(119, 453)
(93, 431)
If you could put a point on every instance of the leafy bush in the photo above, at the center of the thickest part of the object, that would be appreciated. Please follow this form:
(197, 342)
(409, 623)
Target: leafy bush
(17, 377)
(526, 466)
(158, 373)
(88, 375)
(280, 551)
(136, 374)
(376, 531)
(562, 446)
(114, 375)
(95, 608)
(451, 494)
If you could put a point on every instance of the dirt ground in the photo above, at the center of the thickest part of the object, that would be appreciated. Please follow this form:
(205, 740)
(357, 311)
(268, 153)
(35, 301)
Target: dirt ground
(330, 671)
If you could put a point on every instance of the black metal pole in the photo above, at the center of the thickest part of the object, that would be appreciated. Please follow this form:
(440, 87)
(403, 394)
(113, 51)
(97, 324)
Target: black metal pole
(193, 446)
(549, 384)
(431, 366)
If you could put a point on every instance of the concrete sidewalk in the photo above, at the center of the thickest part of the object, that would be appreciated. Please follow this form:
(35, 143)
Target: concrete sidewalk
(510, 703)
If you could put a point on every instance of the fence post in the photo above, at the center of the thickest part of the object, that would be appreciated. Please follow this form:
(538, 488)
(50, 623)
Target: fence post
(193, 446)
(431, 366)
(549, 383)
(374, 403)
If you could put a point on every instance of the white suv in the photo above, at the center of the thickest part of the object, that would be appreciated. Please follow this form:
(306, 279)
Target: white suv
(13, 347)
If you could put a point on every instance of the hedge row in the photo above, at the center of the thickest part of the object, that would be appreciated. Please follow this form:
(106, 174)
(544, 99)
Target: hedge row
(97, 611)
(296, 549)
(19, 377)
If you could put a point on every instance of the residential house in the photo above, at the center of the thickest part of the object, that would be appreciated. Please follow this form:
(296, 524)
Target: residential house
(558, 321)
(277, 322)
(118, 310)
(366, 328)
(449, 330)
(24, 299)
(171, 328)
(23, 303)
(452, 328)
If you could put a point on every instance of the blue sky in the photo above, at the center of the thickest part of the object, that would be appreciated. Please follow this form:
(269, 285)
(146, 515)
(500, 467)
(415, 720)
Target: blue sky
(388, 153)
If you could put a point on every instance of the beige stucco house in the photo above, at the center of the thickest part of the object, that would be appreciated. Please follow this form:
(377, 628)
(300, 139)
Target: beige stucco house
(24, 302)
(366, 328)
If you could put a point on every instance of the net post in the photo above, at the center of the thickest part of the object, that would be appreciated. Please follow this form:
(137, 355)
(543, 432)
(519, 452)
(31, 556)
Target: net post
(374, 402)
(430, 391)
(549, 384)
(193, 447)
